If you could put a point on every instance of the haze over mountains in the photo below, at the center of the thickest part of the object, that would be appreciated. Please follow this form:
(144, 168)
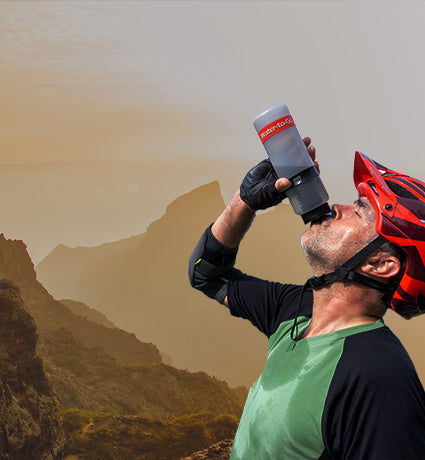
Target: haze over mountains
(141, 285)
(46, 204)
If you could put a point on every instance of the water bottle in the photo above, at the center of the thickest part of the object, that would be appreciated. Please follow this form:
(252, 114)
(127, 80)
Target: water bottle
(290, 159)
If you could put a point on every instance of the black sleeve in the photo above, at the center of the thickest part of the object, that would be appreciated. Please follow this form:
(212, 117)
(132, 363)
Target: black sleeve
(210, 266)
(375, 409)
(266, 304)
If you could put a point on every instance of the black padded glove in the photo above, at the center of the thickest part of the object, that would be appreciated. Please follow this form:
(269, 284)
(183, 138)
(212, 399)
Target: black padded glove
(257, 189)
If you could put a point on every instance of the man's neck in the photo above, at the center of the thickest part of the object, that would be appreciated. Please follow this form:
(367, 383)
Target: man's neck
(339, 306)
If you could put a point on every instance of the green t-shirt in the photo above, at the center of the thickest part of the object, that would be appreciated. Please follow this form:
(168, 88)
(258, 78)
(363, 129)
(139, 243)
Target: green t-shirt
(282, 418)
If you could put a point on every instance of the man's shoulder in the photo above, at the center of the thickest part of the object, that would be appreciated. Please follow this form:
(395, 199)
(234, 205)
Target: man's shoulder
(266, 303)
(374, 397)
(377, 356)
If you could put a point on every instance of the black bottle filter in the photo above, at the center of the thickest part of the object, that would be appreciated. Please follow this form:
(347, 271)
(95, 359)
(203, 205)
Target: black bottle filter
(290, 159)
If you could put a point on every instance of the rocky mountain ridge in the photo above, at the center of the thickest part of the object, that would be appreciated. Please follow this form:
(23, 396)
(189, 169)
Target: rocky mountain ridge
(50, 314)
(30, 424)
(105, 369)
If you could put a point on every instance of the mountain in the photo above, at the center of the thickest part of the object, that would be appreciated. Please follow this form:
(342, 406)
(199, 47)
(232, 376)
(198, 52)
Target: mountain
(81, 309)
(145, 290)
(89, 379)
(50, 314)
(30, 424)
(105, 369)
(81, 257)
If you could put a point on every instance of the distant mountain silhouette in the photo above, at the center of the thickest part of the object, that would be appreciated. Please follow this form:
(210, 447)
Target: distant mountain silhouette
(77, 258)
(144, 289)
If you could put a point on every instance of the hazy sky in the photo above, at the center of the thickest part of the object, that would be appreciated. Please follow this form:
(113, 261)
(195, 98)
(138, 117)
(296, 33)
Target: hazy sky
(129, 82)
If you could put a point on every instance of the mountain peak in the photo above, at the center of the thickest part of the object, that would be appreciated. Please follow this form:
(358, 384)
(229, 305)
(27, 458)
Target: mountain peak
(203, 202)
(16, 250)
(207, 193)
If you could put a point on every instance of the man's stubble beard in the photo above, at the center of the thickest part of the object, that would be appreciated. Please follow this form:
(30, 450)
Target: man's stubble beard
(318, 255)
(325, 251)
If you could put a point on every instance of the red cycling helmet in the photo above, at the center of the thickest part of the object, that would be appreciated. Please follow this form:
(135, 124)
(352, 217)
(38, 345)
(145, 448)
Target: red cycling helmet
(399, 202)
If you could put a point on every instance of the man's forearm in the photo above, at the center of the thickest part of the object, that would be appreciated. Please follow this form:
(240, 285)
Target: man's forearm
(233, 222)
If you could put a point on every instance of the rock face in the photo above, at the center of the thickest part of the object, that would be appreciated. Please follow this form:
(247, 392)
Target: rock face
(50, 314)
(105, 369)
(29, 419)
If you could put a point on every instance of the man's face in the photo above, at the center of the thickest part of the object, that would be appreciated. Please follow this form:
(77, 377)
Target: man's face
(330, 243)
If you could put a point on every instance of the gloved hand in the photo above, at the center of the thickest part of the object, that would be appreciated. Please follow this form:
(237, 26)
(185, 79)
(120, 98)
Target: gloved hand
(258, 187)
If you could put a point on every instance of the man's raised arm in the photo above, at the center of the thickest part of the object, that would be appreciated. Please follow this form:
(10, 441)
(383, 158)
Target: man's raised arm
(212, 261)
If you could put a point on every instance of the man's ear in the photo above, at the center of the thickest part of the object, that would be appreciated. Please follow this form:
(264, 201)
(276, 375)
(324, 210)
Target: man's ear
(381, 265)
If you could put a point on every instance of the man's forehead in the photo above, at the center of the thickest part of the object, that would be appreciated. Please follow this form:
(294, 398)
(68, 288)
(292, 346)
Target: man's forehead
(365, 201)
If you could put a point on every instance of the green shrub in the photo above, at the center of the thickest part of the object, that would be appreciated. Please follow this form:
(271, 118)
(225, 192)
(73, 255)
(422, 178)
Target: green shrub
(75, 419)
(114, 437)
(225, 426)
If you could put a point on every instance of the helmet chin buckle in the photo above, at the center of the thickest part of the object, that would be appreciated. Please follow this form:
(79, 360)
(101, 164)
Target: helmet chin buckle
(345, 272)
(341, 273)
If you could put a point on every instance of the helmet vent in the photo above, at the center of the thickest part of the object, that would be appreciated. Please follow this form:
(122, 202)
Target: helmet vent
(400, 190)
(382, 169)
(372, 186)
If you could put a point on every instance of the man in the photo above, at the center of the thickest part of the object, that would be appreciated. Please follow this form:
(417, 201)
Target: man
(337, 383)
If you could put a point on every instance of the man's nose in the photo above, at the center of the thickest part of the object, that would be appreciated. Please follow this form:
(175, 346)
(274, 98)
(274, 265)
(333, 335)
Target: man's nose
(340, 210)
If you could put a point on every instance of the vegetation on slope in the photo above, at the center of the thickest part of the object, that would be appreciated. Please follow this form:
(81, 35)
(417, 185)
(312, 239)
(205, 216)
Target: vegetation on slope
(93, 436)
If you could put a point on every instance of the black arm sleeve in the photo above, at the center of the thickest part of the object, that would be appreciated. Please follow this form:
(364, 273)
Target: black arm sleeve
(210, 266)
(266, 304)
(375, 409)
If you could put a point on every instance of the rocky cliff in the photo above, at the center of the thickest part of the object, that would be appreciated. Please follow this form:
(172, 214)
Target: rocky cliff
(50, 314)
(29, 419)
(105, 369)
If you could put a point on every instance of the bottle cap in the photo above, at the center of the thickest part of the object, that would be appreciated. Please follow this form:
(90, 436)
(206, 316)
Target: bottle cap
(316, 213)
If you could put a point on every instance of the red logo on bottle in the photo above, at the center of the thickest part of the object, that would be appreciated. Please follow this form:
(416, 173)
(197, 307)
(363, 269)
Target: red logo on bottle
(276, 126)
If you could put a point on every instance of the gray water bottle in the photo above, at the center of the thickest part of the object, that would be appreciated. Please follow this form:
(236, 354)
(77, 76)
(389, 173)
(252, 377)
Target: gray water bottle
(290, 159)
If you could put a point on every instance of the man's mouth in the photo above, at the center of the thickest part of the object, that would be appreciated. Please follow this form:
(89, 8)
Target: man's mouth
(329, 215)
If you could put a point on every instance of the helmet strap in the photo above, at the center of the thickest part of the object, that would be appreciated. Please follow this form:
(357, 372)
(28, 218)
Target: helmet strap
(345, 272)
